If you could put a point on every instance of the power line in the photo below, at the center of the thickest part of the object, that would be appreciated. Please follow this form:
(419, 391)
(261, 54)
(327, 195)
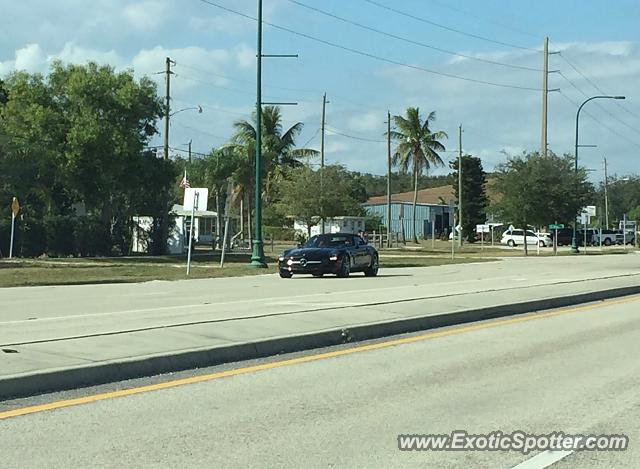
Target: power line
(208, 106)
(497, 23)
(240, 80)
(187, 151)
(592, 83)
(226, 88)
(372, 56)
(411, 41)
(204, 132)
(301, 90)
(448, 28)
(599, 121)
(311, 139)
(600, 106)
(363, 139)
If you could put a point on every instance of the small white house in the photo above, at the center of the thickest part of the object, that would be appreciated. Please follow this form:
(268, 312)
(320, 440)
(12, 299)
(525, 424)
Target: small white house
(344, 224)
(178, 241)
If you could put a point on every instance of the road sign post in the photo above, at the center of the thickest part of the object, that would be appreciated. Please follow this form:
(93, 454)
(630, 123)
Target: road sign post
(555, 227)
(194, 207)
(15, 208)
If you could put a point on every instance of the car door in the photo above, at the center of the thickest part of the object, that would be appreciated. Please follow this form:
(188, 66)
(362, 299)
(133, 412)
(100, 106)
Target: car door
(362, 256)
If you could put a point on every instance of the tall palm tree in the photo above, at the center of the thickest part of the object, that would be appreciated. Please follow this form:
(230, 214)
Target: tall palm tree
(417, 148)
(279, 150)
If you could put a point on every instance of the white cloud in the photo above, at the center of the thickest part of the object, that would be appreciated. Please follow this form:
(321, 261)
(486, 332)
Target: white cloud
(365, 122)
(147, 14)
(29, 58)
(72, 53)
(614, 48)
(245, 56)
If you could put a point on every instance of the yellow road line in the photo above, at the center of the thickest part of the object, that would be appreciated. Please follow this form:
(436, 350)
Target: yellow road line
(304, 359)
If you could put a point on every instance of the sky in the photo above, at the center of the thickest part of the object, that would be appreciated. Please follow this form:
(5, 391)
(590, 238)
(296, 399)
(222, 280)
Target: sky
(477, 64)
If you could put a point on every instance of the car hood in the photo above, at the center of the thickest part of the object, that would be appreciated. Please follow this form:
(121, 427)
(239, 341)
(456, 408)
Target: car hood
(310, 253)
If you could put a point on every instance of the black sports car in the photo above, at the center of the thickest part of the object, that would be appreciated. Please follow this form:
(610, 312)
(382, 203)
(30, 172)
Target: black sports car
(337, 253)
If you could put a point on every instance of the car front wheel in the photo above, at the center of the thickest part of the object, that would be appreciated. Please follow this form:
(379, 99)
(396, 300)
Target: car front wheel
(511, 243)
(285, 274)
(345, 268)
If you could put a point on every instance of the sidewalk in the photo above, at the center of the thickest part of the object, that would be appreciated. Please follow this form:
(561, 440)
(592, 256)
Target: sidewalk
(56, 338)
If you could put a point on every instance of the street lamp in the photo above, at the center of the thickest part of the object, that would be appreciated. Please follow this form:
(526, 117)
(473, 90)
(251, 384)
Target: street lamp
(196, 108)
(574, 244)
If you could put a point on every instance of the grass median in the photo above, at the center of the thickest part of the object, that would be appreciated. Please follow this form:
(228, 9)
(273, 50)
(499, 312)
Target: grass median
(33, 272)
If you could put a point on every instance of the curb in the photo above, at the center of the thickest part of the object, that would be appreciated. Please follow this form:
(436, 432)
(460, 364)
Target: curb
(25, 385)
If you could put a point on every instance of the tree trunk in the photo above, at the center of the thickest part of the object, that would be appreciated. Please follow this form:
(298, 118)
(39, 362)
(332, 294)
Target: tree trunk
(415, 202)
(526, 248)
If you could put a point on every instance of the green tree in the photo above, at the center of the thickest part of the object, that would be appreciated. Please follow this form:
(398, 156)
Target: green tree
(537, 190)
(299, 198)
(417, 148)
(623, 195)
(78, 136)
(474, 194)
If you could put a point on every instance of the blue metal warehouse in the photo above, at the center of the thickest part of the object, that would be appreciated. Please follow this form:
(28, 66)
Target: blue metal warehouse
(434, 209)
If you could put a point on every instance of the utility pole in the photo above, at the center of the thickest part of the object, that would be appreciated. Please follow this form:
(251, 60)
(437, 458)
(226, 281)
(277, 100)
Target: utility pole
(459, 186)
(545, 95)
(167, 106)
(324, 105)
(257, 255)
(606, 196)
(164, 222)
(388, 179)
(189, 153)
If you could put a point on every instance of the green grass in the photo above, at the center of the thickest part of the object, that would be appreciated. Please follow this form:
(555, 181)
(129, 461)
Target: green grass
(31, 272)
(443, 248)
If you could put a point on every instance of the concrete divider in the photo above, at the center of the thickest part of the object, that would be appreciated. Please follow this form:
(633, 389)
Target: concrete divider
(51, 380)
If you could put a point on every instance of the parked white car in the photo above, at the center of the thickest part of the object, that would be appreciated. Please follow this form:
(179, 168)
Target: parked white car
(514, 238)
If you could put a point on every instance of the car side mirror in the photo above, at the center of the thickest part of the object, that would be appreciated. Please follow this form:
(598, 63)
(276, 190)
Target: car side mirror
(299, 245)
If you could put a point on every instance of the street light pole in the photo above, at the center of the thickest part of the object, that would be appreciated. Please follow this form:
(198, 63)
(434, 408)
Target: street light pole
(574, 243)
(257, 257)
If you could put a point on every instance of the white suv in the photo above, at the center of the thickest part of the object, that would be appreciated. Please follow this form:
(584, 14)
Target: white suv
(514, 238)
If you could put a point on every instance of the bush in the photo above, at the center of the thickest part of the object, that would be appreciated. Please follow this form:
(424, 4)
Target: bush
(92, 237)
(60, 235)
(279, 233)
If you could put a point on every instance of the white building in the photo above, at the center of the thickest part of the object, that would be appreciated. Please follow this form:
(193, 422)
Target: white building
(178, 241)
(344, 224)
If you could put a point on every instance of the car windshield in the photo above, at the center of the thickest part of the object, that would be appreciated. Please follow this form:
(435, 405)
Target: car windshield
(329, 241)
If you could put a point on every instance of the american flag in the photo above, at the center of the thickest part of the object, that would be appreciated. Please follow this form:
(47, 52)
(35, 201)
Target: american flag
(184, 183)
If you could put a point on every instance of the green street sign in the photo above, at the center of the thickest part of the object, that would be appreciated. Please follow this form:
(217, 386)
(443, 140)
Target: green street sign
(556, 226)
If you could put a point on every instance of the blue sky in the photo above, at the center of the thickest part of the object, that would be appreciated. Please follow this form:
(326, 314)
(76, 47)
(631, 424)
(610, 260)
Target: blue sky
(214, 50)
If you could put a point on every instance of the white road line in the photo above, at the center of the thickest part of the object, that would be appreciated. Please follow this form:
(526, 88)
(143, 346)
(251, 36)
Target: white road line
(542, 460)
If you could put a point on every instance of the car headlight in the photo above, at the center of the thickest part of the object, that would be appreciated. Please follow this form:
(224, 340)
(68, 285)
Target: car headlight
(281, 258)
(290, 262)
(333, 257)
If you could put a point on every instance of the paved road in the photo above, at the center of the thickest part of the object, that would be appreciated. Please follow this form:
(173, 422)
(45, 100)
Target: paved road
(576, 371)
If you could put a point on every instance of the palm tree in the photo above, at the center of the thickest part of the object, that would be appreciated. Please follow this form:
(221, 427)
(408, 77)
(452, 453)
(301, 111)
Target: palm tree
(417, 148)
(279, 150)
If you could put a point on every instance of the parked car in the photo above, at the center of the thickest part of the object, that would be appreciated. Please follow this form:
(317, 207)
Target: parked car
(565, 237)
(608, 237)
(337, 253)
(514, 238)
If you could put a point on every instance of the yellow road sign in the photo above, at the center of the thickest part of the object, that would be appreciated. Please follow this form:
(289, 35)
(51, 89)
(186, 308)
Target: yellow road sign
(15, 207)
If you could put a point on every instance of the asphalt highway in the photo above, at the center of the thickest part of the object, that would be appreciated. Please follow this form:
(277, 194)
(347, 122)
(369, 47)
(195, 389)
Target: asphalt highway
(574, 370)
